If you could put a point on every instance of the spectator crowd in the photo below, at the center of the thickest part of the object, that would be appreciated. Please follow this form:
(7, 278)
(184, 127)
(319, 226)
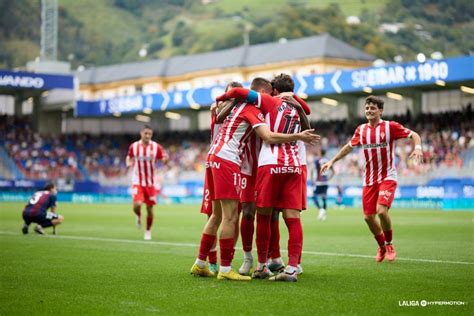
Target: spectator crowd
(445, 136)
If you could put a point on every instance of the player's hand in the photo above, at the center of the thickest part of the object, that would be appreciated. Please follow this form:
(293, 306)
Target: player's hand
(213, 107)
(326, 166)
(292, 101)
(417, 156)
(309, 137)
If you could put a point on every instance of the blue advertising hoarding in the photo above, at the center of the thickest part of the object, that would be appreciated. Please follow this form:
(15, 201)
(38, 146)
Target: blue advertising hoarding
(446, 194)
(456, 69)
(36, 81)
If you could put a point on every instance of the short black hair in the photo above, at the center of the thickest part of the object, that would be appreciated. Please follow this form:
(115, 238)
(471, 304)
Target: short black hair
(146, 126)
(374, 100)
(48, 186)
(283, 83)
(323, 152)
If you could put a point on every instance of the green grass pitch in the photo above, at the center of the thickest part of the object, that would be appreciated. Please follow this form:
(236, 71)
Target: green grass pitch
(99, 264)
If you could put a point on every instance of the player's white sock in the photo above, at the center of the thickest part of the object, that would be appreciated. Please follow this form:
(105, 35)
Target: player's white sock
(291, 269)
(200, 263)
(224, 269)
(260, 265)
(248, 255)
(277, 260)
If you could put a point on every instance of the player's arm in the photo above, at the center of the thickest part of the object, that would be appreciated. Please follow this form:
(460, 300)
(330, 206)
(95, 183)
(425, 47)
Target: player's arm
(241, 94)
(269, 137)
(224, 112)
(301, 112)
(332, 173)
(417, 153)
(341, 154)
(129, 161)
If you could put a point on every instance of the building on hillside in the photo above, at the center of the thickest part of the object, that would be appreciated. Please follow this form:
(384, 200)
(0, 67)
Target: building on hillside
(310, 55)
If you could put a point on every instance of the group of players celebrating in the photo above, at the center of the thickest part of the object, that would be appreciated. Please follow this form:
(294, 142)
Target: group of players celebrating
(257, 164)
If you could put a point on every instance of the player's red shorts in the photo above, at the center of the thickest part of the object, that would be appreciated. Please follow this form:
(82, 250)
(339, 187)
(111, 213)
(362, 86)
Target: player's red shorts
(223, 179)
(378, 193)
(305, 185)
(248, 188)
(144, 194)
(278, 188)
(206, 206)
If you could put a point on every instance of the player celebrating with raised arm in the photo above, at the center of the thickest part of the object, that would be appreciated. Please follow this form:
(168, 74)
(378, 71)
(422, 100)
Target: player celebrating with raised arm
(143, 156)
(376, 138)
(36, 211)
(224, 180)
(279, 178)
(206, 206)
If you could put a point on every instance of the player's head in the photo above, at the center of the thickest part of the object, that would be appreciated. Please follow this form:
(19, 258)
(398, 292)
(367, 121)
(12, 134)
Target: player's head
(50, 187)
(233, 84)
(373, 107)
(283, 83)
(261, 85)
(323, 152)
(146, 133)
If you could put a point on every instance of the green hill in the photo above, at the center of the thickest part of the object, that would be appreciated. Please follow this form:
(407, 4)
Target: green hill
(104, 32)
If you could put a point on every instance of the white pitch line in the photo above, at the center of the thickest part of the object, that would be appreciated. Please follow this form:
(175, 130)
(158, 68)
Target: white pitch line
(163, 243)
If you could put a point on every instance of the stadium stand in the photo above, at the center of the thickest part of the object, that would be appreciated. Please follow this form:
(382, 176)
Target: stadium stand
(448, 142)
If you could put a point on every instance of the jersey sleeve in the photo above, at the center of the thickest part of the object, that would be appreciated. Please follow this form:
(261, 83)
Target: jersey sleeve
(355, 141)
(52, 200)
(160, 153)
(254, 116)
(239, 94)
(398, 131)
(130, 151)
(304, 105)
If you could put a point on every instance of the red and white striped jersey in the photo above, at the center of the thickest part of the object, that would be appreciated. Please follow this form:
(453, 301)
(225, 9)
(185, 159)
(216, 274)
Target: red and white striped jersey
(250, 155)
(281, 118)
(302, 152)
(235, 132)
(377, 144)
(214, 127)
(144, 162)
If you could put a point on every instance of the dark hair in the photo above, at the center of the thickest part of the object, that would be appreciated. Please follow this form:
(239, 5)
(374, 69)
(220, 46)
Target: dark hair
(323, 152)
(48, 186)
(233, 84)
(146, 126)
(374, 100)
(261, 83)
(283, 83)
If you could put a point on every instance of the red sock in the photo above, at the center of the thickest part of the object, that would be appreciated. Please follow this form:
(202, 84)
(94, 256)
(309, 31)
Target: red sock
(380, 240)
(207, 241)
(263, 236)
(149, 222)
(227, 251)
(274, 251)
(388, 235)
(213, 256)
(295, 240)
(246, 231)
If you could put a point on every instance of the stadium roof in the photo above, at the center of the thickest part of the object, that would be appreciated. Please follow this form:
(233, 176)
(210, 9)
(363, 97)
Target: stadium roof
(323, 45)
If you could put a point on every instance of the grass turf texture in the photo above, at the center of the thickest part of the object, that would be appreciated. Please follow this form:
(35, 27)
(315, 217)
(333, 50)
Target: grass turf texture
(99, 264)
